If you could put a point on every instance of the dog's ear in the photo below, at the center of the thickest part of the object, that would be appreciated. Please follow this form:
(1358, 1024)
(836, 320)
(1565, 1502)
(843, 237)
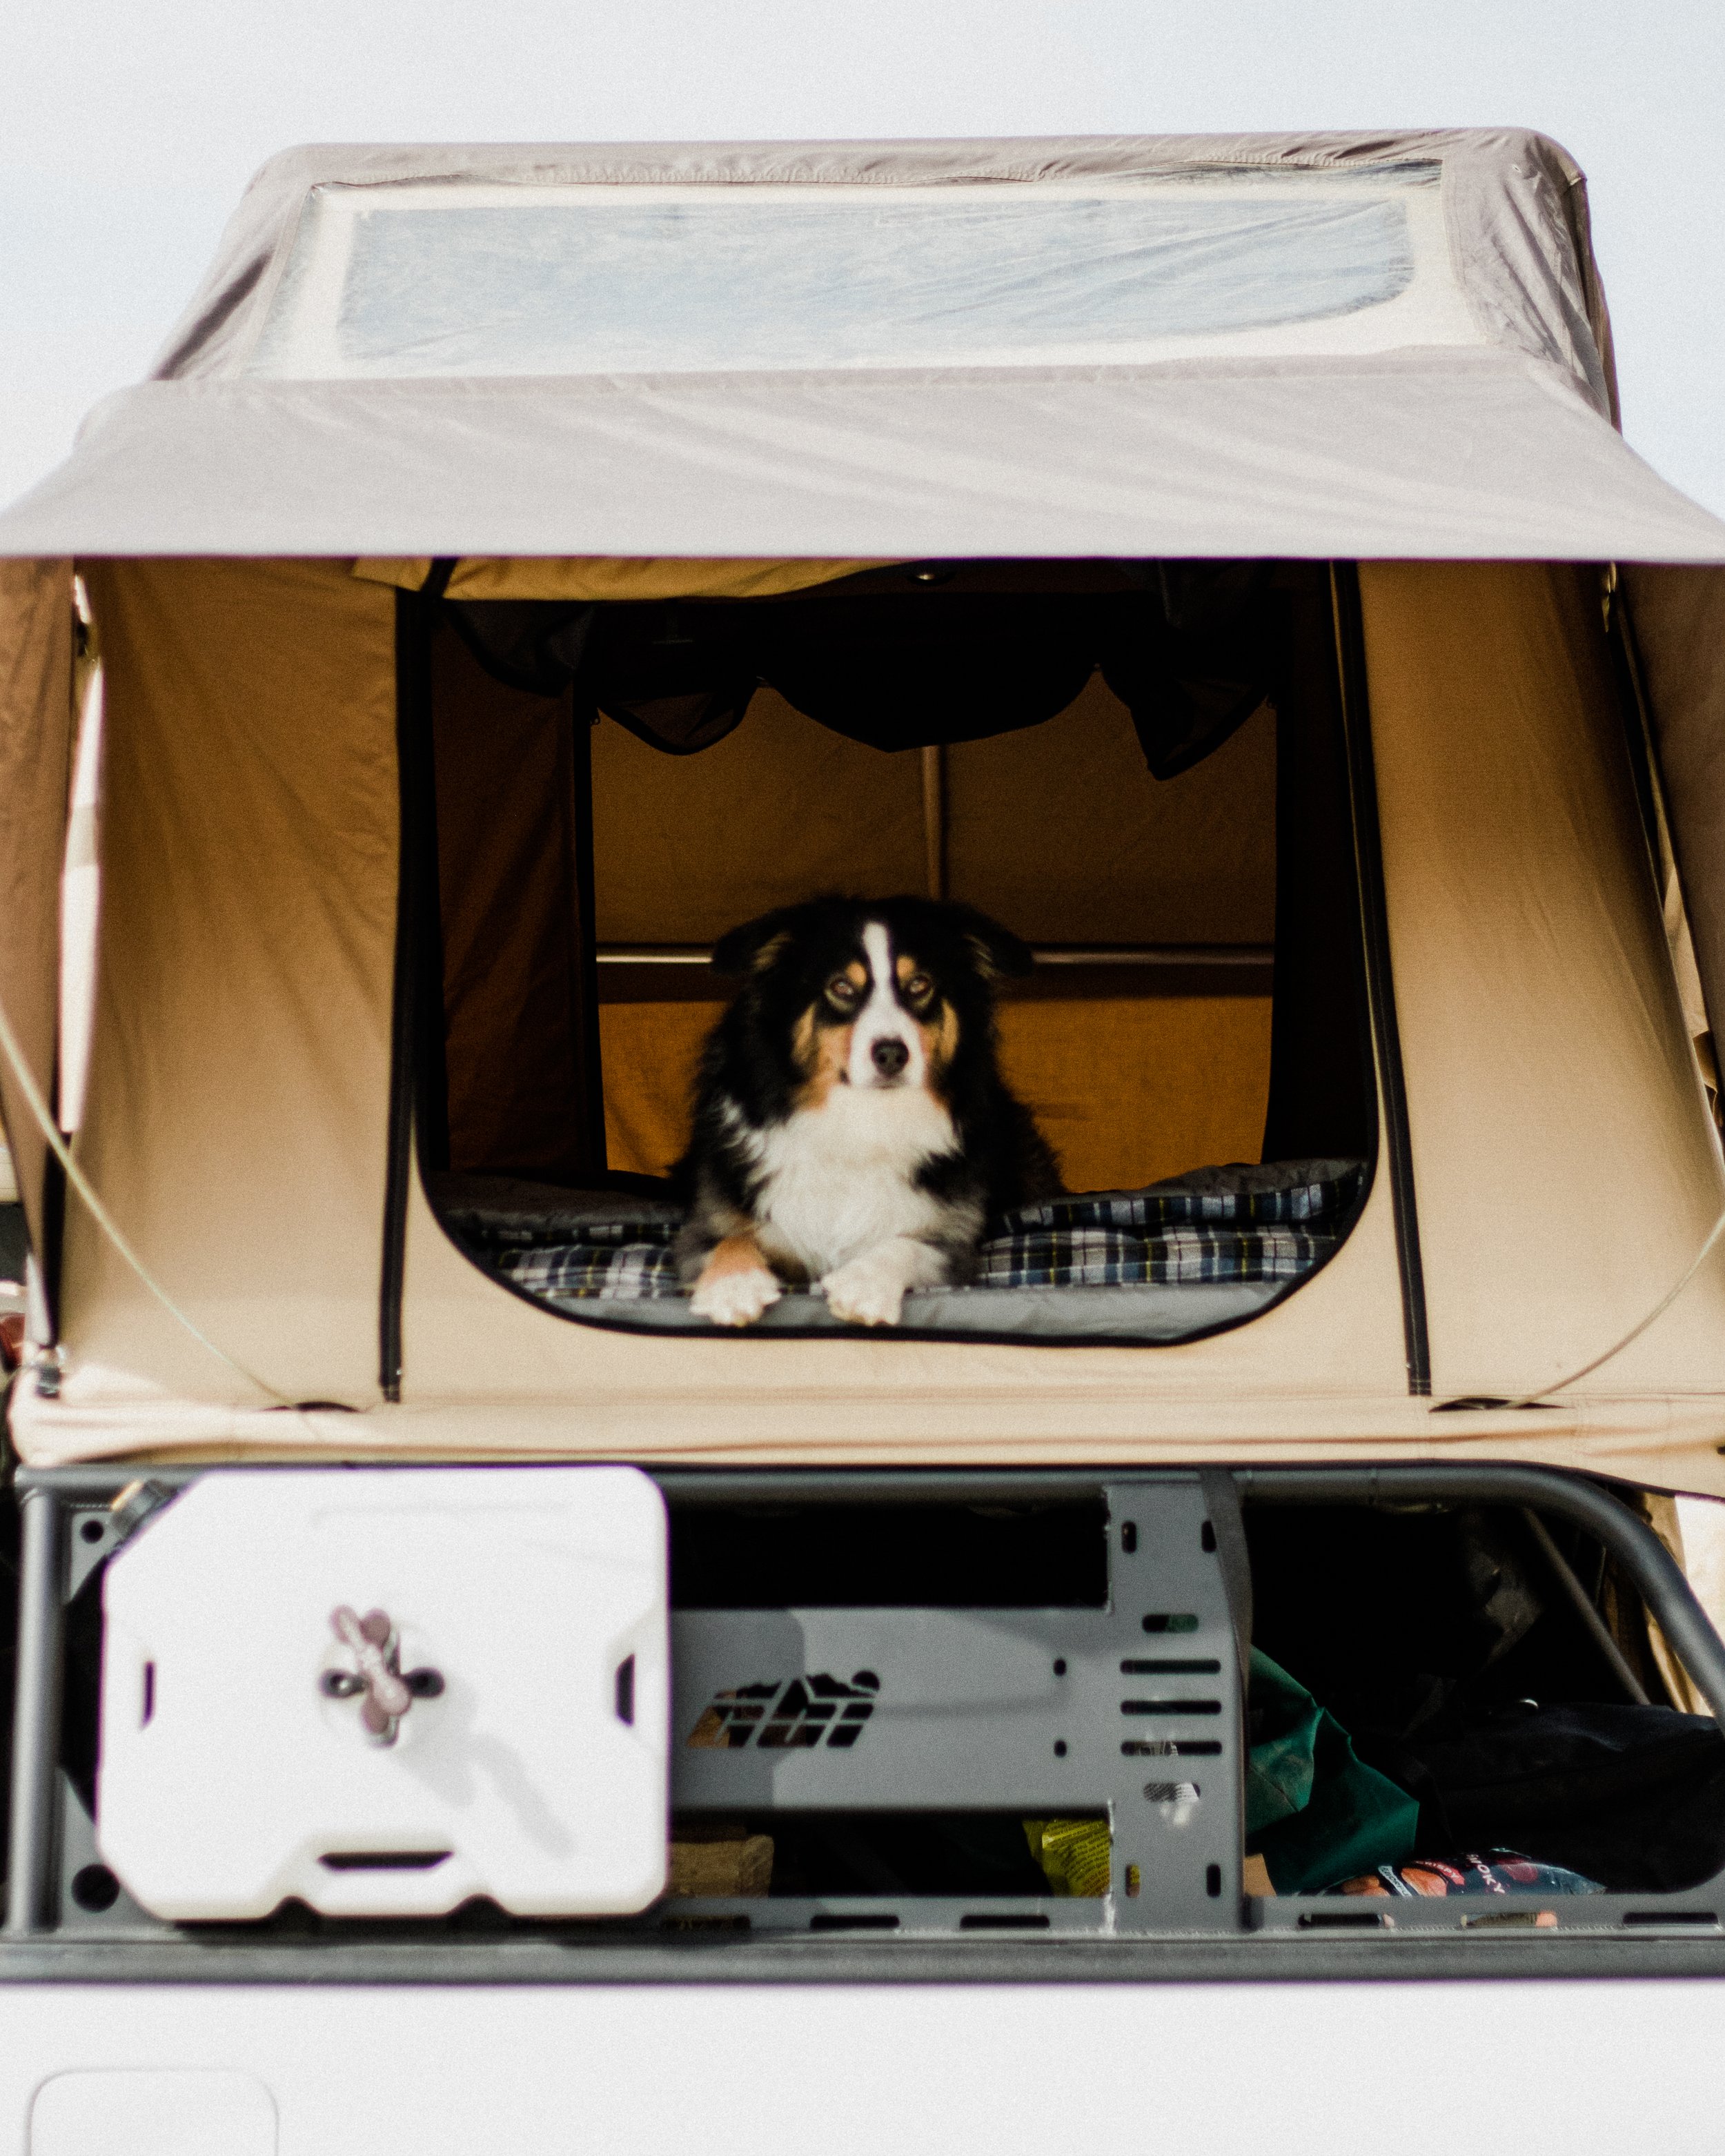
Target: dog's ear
(1000, 954)
(753, 948)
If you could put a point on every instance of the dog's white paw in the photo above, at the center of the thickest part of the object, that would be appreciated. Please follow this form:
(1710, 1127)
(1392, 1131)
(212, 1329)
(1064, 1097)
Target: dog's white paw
(870, 1290)
(736, 1298)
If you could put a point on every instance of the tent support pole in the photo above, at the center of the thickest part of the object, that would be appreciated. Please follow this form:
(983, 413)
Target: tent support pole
(36, 1716)
(415, 618)
(934, 818)
(1380, 978)
(1575, 1594)
(590, 1108)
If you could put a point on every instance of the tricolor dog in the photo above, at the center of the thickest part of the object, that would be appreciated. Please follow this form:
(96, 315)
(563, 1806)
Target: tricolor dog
(851, 1127)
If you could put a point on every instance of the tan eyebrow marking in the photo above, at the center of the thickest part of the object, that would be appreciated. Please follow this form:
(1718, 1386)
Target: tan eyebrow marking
(821, 1050)
(942, 1039)
(802, 1048)
(769, 951)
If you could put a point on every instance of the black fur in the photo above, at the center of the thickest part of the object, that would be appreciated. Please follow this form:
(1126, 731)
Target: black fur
(749, 1069)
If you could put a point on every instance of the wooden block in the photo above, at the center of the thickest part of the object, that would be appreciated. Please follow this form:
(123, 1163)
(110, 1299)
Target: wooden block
(705, 1864)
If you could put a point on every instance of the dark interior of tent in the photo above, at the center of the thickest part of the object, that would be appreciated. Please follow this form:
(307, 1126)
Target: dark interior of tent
(1141, 768)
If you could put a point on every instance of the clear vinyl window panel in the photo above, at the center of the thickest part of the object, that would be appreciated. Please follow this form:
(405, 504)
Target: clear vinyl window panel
(538, 280)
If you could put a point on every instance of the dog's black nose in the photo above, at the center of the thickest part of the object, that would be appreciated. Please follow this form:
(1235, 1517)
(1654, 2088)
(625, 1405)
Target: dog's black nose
(890, 1057)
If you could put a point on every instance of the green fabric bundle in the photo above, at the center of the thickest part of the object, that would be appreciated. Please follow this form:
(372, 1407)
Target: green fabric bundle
(1313, 1811)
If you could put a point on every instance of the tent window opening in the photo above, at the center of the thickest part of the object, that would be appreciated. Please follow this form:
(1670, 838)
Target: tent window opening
(1138, 768)
(460, 280)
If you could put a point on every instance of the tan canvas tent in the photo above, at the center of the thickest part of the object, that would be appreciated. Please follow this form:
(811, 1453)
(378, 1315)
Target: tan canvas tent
(746, 375)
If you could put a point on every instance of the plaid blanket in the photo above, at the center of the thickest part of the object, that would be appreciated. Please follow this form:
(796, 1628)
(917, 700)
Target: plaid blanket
(635, 1266)
(1291, 1193)
(1103, 1257)
(1276, 1224)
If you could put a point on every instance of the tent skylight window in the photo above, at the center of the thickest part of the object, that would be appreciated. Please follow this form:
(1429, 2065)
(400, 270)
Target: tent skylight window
(457, 279)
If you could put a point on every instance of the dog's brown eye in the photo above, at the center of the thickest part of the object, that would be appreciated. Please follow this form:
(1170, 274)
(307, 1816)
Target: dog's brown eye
(919, 987)
(842, 991)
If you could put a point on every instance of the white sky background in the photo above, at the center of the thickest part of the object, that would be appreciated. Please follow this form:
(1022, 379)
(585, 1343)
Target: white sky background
(128, 129)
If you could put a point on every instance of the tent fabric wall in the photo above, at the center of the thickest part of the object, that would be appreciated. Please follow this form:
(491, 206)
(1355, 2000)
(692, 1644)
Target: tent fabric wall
(1321, 1356)
(36, 723)
(236, 1115)
(237, 1100)
(614, 578)
(1677, 624)
(1566, 1167)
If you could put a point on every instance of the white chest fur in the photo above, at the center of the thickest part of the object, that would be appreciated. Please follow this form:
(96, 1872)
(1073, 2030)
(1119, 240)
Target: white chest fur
(838, 1179)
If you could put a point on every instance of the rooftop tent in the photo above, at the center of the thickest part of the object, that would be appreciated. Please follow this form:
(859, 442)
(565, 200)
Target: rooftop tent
(425, 383)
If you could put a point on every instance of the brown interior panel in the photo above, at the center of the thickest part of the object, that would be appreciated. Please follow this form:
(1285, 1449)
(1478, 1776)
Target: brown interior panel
(685, 847)
(518, 1072)
(1127, 1088)
(1058, 830)
(1062, 833)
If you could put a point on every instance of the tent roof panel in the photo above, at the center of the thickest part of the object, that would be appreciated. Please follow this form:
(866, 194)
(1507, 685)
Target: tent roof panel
(1289, 391)
(1456, 454)
(452, 279)
(1513, 211)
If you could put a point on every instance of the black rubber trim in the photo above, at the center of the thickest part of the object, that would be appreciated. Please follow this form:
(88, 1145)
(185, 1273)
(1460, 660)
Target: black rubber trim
(1395, 1150)
(415, 615)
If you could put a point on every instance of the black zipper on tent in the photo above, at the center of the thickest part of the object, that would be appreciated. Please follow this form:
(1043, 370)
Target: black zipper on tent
(1369, 856)
(50, 1257)
(416, 893)
(582, 719)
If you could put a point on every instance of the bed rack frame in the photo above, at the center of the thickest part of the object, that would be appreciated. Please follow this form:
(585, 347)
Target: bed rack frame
(1132, 1709)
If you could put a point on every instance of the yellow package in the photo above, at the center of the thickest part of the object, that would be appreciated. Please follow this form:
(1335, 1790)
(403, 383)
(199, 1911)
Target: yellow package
(1075, 1855)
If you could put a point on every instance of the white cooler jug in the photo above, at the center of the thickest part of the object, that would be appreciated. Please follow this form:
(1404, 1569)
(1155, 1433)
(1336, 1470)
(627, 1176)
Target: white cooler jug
(387, 1691)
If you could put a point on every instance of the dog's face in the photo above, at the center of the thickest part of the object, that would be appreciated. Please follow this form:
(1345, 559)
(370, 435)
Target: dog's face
(879, 997)
(883, 1019)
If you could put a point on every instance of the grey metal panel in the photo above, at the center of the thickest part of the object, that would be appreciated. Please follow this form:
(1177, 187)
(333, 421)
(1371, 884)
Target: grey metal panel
(79, 1912)
(967, 1711)
(1043, 1712)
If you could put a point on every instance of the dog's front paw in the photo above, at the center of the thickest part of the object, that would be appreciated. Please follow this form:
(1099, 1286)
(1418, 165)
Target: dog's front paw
(870, 1290)
(735, 1298)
